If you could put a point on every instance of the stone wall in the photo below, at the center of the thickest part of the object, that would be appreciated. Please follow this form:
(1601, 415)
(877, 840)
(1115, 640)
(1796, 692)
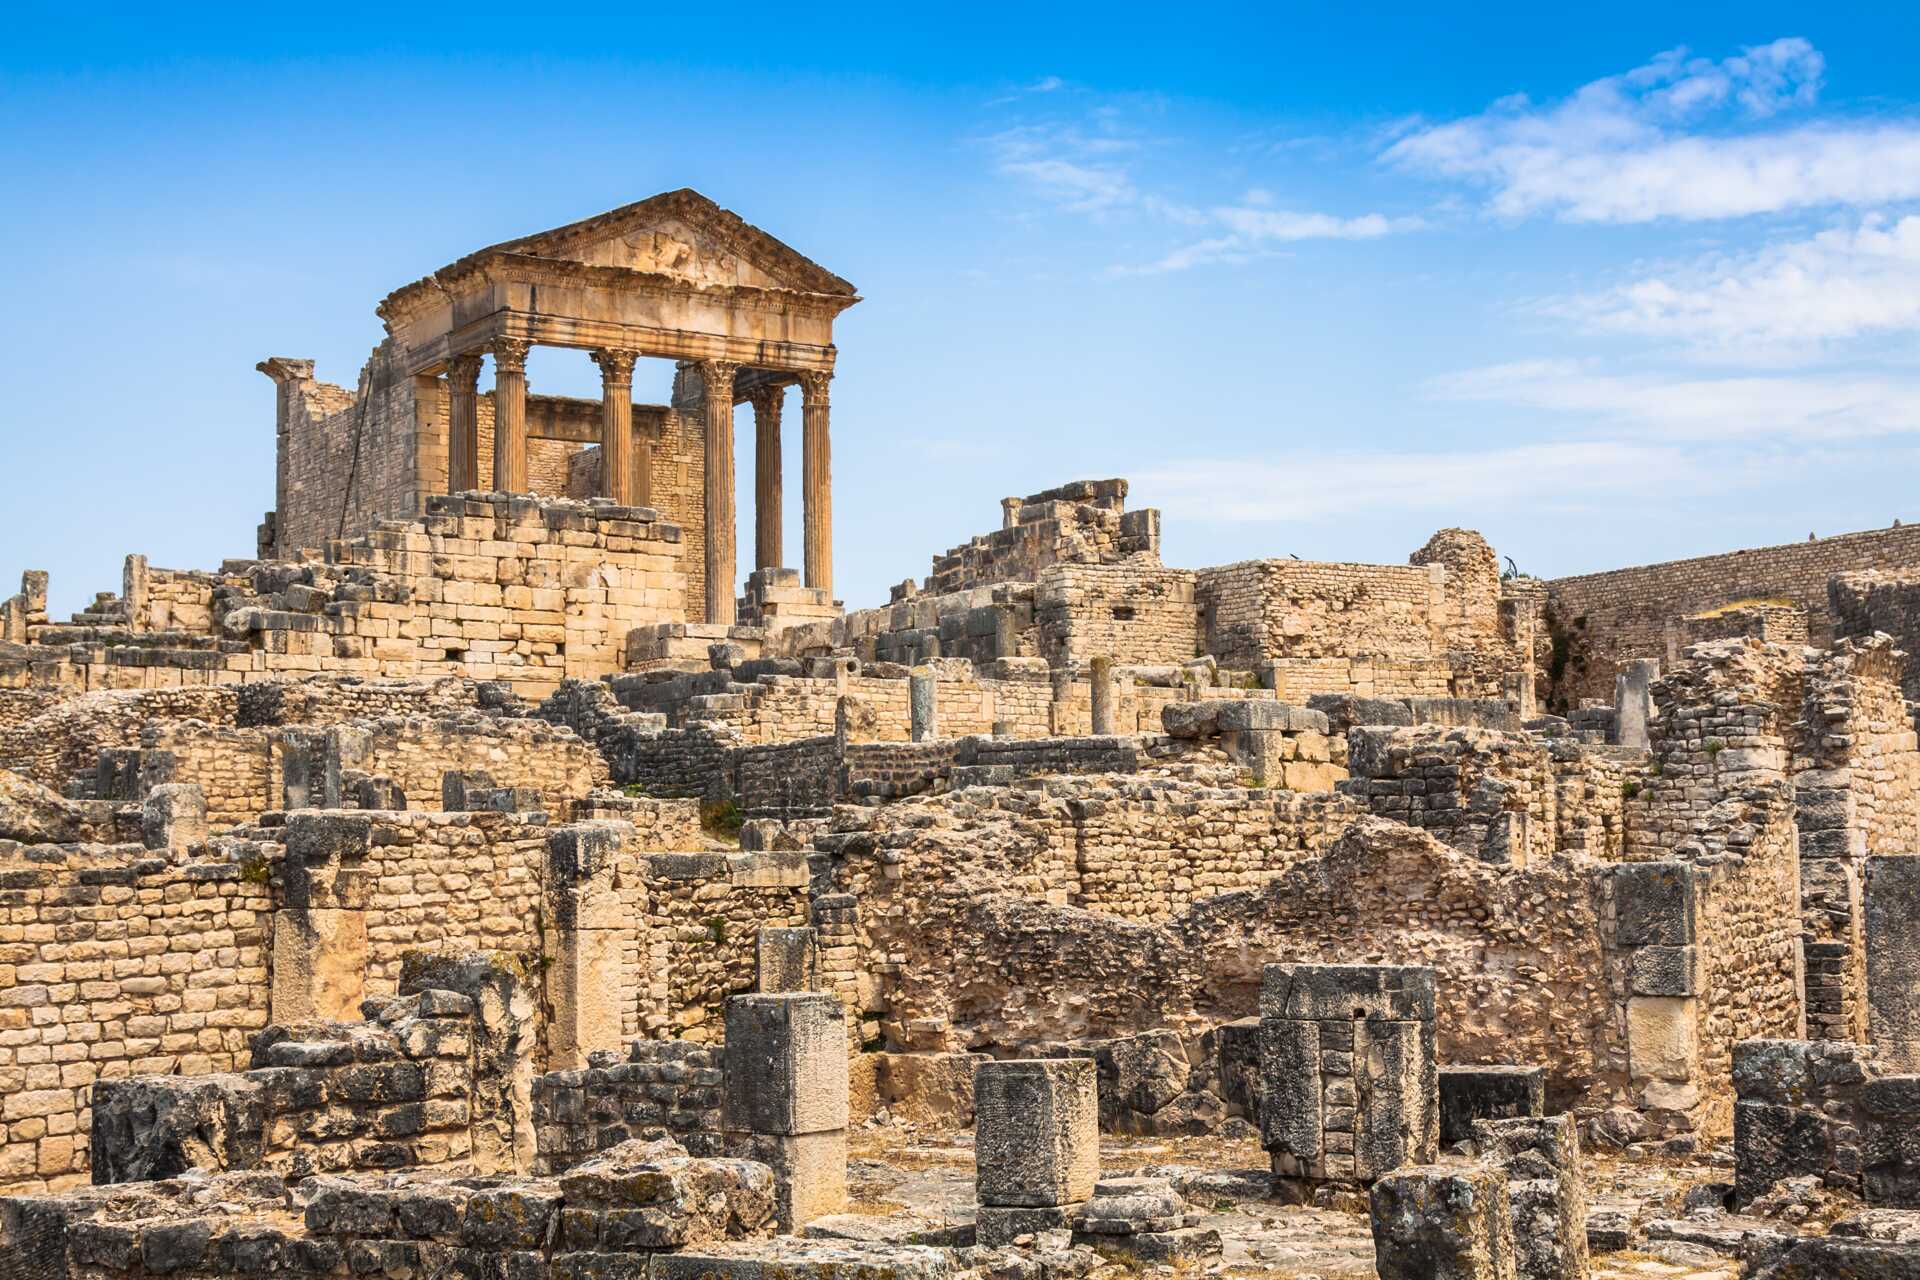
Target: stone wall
(487, 586)
(116, 964)
(704, 922)
(1609, 619)
(660, 1086)
(1856, 793)
(1880, 600)
(59, 738)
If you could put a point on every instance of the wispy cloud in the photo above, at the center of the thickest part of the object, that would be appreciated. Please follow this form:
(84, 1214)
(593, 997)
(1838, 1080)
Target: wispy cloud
(1089, 164)
(1785, 301)
(1254, 232)
(1817, 406)
(1082, 168)
(1681, 137)
(1309, 487)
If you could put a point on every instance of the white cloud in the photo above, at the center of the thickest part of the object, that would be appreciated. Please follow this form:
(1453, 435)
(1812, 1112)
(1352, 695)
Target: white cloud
(1308, 487)
(1825, 406)
(1677, 138)
(1782, 300)
(1259, 232)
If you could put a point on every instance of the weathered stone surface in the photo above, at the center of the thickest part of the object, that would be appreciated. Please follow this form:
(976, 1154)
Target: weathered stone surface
(1442, 1223)
(1036, 1132)
(1468, 1094)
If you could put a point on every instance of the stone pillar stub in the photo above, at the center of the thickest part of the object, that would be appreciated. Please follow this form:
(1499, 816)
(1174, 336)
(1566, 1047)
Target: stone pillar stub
(1036, 1132)
(923, 704)
(1891, 901)
(1105, 695)
(587, 985)
(505, 1015)
(320, 935)
(1442, 1220)
(784, 960)
(1633, 703)
(786, 1098)
(1349, 1069)
(173, 818)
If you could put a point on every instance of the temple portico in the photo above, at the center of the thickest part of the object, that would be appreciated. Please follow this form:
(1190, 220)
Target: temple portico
(675, 277)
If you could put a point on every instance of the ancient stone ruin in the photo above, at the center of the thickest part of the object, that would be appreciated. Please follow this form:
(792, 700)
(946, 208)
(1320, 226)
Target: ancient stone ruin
(486, 879)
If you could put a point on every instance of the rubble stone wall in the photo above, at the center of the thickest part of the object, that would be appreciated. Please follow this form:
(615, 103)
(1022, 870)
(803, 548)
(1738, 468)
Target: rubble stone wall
(64, 737)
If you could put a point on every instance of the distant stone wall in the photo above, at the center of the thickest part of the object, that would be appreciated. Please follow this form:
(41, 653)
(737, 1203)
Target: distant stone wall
(489, 587)
(1610, 619)
(1863, 603)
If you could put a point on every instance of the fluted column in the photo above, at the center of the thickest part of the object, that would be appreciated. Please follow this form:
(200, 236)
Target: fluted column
(463, 422)
(510, 415)
(616, 426)
(767, 403)
(816, 478)
(717, 379)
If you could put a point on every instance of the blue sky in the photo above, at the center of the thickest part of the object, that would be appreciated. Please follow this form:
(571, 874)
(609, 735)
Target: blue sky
(1608, 290)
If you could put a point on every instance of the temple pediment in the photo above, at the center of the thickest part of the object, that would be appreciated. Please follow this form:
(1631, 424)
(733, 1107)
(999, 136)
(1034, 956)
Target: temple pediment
(683, 235)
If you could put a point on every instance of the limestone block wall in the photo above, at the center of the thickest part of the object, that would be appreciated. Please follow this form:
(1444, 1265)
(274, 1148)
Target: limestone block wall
(1084, 522)
(1615, 617)
(324, 699)
(416, 750)
(1133, 611)
(969, 951)
(113, 964)
(774, 708)
(491, 587)
(239, 770)
(1485, 792)
(1261, 609)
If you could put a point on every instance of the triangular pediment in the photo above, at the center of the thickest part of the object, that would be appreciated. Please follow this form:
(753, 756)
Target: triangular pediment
(686, 236)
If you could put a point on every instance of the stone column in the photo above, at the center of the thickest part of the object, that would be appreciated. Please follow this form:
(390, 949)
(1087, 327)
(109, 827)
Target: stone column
(817, 480)
(722, 563)
(463, 423)
(510, 415)
(1892, 911)
(767, 403)
(1101, 674)
(616, 426)
(786, 1098)
(923, 704)
(320, 936)
(586, 980)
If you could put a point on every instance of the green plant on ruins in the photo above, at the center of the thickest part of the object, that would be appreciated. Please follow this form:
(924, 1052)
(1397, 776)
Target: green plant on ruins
(721, 819)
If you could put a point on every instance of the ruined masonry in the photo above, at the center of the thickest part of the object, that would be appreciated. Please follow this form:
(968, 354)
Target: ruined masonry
(494, 875)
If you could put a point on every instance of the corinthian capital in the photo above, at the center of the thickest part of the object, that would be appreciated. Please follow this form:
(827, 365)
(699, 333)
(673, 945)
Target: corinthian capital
(463, 370)
(716, 378)
(616, 366)
(510, 355)
(766, 402)
(815, 384)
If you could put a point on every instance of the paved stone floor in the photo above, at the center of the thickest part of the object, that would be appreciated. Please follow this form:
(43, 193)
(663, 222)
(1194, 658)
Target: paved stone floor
(899, 1172)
